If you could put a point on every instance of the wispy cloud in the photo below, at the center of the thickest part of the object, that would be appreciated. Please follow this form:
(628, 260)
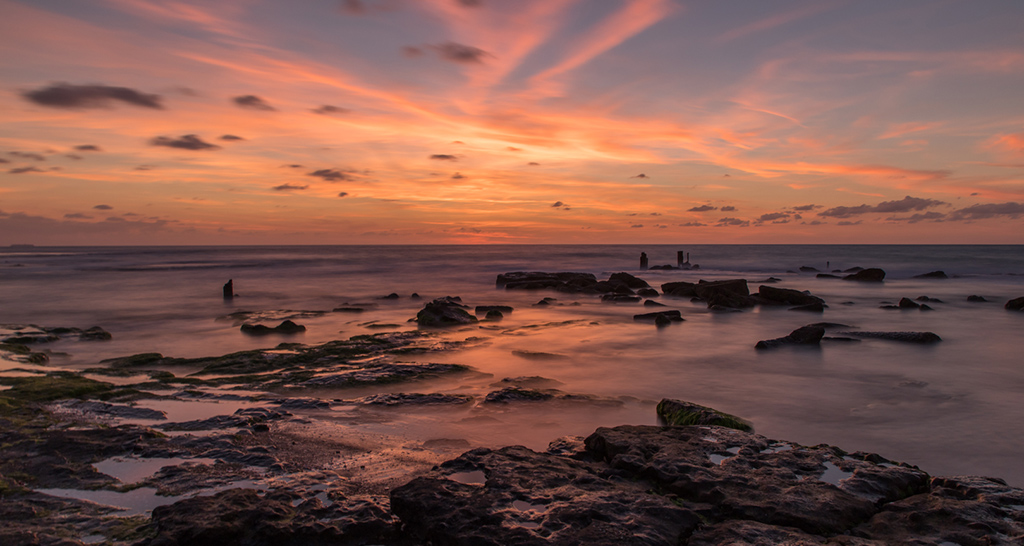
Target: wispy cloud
(184, 142)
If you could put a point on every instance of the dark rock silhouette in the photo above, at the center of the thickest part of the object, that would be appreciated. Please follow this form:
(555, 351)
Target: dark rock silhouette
(976, 299)
(932, 275)
(805, 335)
(286, 327)
(867, 275)
(446, 311)
(1016, 304)
(785, 296)
(229, 289)
(907, 303)
(671, 316)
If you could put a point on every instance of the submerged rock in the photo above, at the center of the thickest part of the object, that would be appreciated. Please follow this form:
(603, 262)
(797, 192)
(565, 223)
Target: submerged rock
(932, 275)
(908, 337)
(805, 335)
(907, 303)
(867, 275)
(785, 296)
(392, 399)
(485, 309)
(678, 412)
(286, 327)
(1016, 304)
(446, 311)
(671, 316)
(976, 299)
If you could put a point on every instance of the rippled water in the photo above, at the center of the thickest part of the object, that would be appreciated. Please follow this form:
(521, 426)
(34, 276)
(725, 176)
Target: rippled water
(953, 408)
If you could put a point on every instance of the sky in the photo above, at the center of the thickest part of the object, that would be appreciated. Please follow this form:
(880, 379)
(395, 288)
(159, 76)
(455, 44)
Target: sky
(128, 122)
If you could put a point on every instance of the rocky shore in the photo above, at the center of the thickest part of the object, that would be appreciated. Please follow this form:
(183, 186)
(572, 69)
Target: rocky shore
(84, 461)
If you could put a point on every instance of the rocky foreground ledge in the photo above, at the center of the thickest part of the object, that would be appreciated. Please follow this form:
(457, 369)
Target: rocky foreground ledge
(645, 485)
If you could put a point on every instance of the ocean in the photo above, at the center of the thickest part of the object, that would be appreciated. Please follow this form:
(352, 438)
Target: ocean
(953, 407)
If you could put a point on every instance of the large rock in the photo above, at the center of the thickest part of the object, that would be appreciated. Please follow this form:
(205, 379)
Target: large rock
(245, 517)
(628, 280)
(446, 311)
(672, 316)
(867, 275)
(653, 485)
(678, 412)
(537, 280)
(805, 335)
(680, 289)
(786, 296)
(1016, 304)
(517, 496)
(731, 293)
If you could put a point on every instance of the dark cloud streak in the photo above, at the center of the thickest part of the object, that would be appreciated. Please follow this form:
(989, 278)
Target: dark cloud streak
(66, 95)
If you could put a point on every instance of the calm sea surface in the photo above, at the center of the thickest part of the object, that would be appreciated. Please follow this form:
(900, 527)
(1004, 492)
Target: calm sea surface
(955, 407)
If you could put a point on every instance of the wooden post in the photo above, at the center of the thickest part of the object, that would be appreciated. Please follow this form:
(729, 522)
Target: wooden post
(679, 258)
(643, 260)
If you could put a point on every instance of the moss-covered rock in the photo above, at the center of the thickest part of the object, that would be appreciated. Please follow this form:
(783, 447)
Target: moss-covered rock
(678, 412)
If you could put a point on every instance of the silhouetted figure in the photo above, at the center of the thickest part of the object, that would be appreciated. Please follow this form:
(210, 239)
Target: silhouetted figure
(643, 260)
(229, 290)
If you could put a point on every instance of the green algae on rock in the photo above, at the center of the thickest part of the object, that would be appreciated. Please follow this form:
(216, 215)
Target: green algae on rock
(677, 412)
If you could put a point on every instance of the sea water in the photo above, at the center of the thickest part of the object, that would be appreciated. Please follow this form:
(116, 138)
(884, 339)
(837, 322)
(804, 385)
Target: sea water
(954, 407)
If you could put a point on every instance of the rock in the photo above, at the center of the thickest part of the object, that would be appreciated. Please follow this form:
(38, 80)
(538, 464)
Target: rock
(731, 293)
(652, 303)
(867, 275)
(385, 373)
(620, 298)
(107, 410)
(932, 275)
(926, 307)
(414, 399)
(671, 316)
(976, 299)
(908, 337)
(517, 496)
(853, 269)
(680, 413)
(679, 289)
(805, 335)
(656, 485)
(907, 303)
(967, 509)
(786, 296)
(229, 289)
(628, 280)
(808, 269)
(648, 293)
(1016, 304)
(518, 394)
(415, 296)
(926, 298)
(827, 276)
(446, 311)
(537, 280)
(286, 327)
(810, 308)
(484, 309)
(494, 314)
(95, 334)
(303, 404)
(662, 320)
(246, 517)
(391, 296)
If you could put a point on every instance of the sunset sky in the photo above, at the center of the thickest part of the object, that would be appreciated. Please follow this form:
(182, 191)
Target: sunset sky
(511, 121)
